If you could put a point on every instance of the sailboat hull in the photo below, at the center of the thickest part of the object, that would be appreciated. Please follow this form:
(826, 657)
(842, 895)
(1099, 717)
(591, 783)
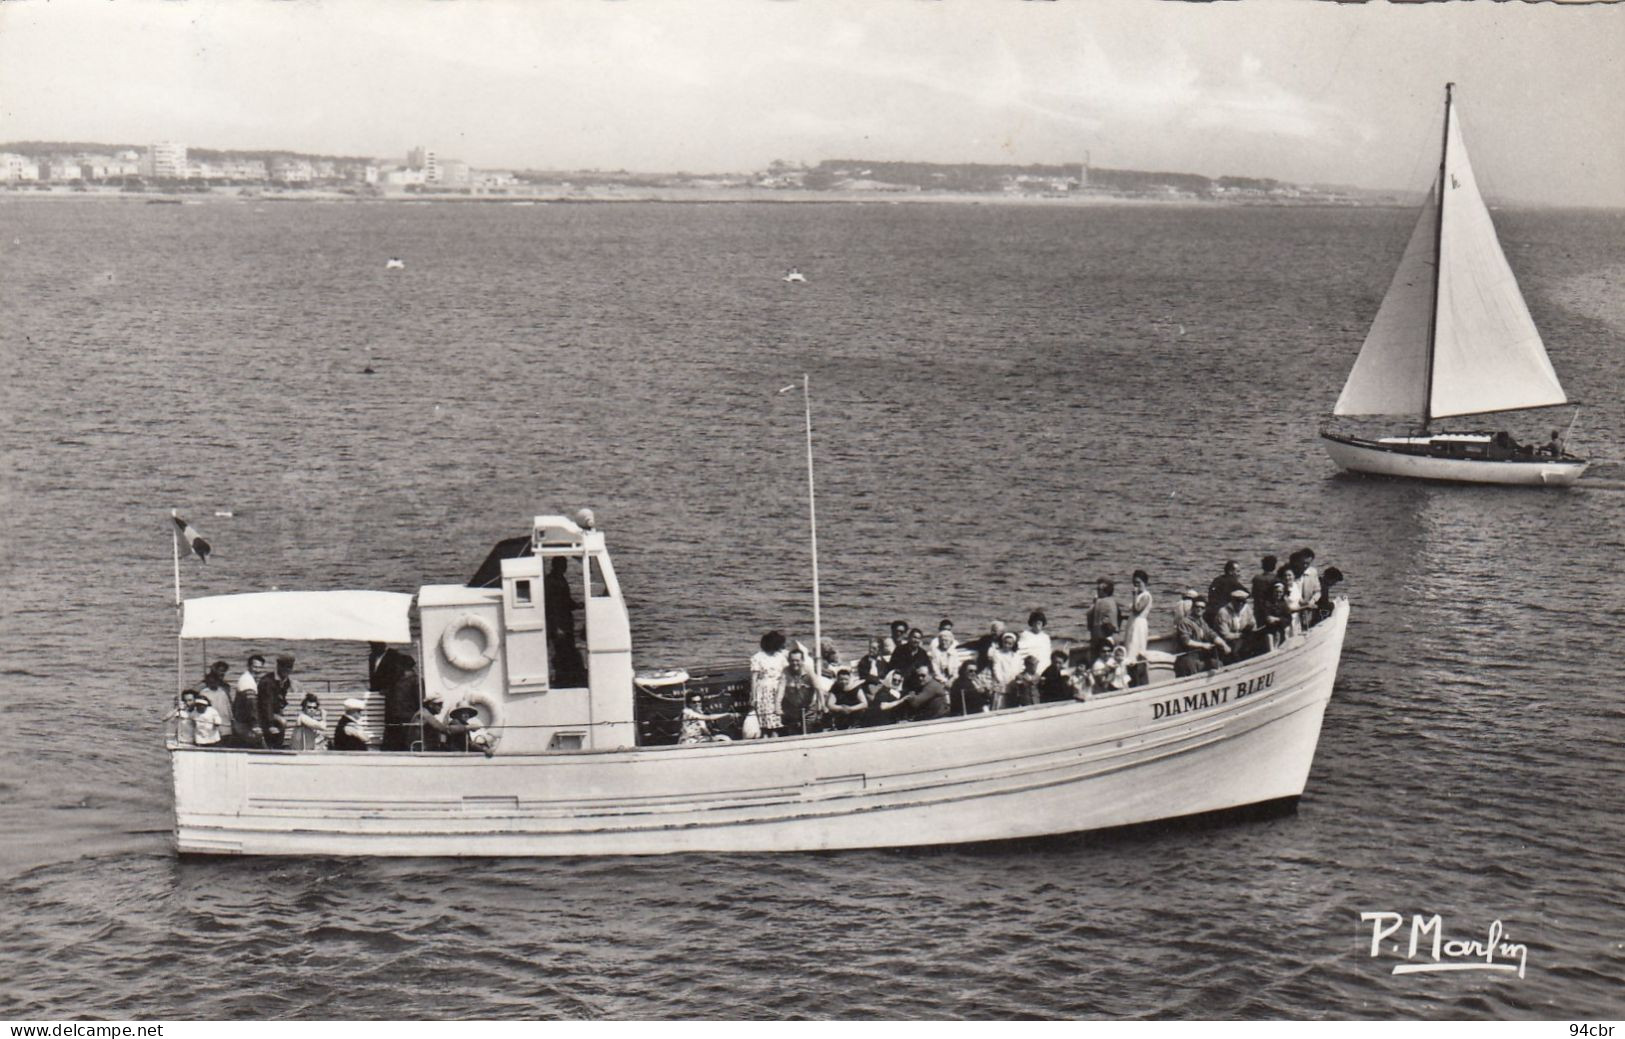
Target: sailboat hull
(1393, 459)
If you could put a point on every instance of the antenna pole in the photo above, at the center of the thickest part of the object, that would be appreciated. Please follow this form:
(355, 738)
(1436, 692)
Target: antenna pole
(812, 520)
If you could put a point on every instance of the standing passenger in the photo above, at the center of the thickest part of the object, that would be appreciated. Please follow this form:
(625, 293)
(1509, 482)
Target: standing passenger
(401, 702)
(245, 709)
(767, 668)
(943, 656)
(182, 716)
(1219, 592)
(206, 723)
(987, 643)
(275, 692)
(218, 692)
(1035, 641)
(1263, 579)
(1105, 616)
(1139, 628)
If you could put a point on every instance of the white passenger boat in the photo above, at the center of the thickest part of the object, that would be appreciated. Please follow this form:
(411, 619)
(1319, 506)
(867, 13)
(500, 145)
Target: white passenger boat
(584, 763)
(1453, 337)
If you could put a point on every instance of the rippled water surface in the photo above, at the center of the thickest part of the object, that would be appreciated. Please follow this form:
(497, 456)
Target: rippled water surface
(1010, 400)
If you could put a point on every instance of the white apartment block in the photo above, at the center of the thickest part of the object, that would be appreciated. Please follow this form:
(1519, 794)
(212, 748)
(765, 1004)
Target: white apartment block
(165, 161)
(16, 169)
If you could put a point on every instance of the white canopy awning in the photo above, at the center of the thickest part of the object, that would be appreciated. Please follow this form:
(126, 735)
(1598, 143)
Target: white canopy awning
(301, 616)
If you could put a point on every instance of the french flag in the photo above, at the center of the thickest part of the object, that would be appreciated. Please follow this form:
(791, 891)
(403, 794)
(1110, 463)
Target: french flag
(191, 538)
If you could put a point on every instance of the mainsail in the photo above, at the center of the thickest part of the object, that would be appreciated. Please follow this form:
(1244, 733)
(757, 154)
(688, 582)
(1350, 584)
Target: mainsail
(1486, 354)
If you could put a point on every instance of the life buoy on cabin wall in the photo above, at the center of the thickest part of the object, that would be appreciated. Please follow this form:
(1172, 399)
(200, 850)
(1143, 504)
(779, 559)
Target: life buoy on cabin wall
(485, 738)
(463, 659)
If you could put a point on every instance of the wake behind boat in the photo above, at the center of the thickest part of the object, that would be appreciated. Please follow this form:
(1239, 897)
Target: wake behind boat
(1453, 337)
(572, 757)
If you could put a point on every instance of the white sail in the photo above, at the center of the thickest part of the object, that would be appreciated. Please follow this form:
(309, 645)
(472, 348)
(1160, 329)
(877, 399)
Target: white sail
(1390, 375)
(1487, 354)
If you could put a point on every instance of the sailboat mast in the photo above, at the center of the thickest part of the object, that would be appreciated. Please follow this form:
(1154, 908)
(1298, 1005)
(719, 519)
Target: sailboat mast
(1438, 250)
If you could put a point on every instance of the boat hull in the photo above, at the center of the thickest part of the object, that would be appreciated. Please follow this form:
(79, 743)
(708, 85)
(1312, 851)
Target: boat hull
(1240, 736)
(1364, 456)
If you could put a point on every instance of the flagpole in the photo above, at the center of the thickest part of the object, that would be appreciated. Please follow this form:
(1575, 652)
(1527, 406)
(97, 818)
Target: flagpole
(180, 646)
(812, 521)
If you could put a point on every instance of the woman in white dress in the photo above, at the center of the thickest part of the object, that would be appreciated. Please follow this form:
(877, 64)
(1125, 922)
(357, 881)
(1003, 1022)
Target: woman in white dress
(767, 683)
(1138, 632)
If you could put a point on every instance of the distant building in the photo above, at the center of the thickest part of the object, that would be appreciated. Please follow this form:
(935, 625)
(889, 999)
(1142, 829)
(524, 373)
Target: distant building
(16, 169)
(292, 170)
(165, 161)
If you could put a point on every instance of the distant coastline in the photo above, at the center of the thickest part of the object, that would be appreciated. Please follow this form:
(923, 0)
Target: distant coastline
(543, 195)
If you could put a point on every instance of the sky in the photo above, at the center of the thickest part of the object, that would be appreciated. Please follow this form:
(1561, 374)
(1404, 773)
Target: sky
(1301, 90)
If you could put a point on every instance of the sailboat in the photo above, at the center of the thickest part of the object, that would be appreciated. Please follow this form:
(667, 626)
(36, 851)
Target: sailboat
(1453, 337)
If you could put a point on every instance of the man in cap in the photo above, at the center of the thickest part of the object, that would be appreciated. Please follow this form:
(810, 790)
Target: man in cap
(1235, 625)
(1182, 608)
(274, 693)
(1201, 648)
(351, 733)
(428, 726)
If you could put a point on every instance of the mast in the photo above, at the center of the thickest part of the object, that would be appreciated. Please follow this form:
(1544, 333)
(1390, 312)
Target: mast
(812, 520)
(1438, 252)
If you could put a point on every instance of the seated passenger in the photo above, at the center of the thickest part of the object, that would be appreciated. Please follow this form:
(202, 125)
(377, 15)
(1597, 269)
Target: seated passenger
(943, 656)
(1235, 625)
(887, 702)
(968, 695)
(926, 697)
(1109, 672)
(847, 702)
(697, 723)
(1273, 618)
(873, 664)
(432, 732)
(1201, 648)
(1005, 661)
(992, 689)
(310, 727)
(1055, 684)
(351, 733)
(1023, 691)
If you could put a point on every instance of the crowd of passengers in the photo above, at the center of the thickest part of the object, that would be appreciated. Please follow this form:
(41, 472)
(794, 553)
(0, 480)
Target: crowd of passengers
(904, 677)
(249, 713)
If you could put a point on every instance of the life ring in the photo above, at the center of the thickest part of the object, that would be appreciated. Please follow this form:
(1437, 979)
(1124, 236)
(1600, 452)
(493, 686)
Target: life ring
(461, 658)
(490, 733)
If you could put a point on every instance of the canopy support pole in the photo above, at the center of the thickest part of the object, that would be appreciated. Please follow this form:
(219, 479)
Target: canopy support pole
(180, 644)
